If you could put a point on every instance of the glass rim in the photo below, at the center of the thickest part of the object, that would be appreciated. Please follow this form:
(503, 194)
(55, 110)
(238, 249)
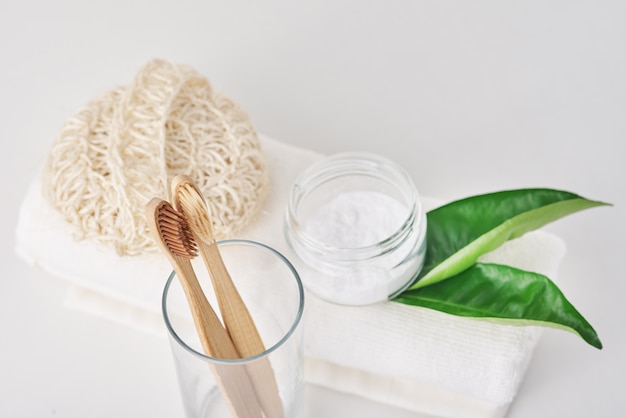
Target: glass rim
(296, 321)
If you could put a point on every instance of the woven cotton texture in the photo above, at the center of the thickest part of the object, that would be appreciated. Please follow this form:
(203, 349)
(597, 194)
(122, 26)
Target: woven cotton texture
(123, 149)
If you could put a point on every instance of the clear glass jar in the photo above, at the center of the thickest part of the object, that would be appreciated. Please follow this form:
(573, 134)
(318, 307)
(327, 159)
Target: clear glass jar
(357, 224)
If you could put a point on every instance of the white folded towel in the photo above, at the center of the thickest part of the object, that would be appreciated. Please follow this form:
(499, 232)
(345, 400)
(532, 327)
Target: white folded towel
(410, 357)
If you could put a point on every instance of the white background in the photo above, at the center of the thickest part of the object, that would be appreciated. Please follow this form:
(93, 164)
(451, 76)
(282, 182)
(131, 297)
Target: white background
(469, 96)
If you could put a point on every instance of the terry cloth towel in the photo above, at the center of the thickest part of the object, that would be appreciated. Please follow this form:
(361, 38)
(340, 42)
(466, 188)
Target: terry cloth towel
(414, 358)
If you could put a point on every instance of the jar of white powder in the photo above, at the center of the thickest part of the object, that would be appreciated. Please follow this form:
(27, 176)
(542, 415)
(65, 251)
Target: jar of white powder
(356, 222)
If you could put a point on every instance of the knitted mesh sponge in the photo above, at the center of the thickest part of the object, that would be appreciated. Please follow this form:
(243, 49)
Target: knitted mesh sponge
(123, 149)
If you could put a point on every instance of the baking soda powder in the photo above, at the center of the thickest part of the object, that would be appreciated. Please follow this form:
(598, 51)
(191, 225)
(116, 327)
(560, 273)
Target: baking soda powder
(355, 220)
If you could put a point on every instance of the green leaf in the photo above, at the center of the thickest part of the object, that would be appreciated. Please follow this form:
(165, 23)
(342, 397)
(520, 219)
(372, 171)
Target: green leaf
(460, 232)
(503, 294)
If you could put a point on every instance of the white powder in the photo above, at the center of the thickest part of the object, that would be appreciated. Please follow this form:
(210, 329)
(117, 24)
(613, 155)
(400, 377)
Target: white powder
(358, 219)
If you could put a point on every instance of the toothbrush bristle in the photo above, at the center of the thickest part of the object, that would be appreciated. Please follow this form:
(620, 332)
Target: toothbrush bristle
(176, 232)
(192, 205)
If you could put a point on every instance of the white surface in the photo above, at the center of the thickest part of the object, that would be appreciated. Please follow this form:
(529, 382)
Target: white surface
(469, 97)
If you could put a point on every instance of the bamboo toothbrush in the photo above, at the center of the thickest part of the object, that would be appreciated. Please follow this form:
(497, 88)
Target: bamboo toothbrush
(188, 199)
(172, 233)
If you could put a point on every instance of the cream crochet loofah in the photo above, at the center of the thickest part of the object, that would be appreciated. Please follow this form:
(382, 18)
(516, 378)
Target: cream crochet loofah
(122, 149)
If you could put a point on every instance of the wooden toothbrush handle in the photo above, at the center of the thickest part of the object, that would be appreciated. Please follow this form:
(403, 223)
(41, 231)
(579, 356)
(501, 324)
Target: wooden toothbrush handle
(235, 384)
(242, 330)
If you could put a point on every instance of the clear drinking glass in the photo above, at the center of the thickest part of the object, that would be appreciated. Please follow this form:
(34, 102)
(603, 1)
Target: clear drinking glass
(273, 293)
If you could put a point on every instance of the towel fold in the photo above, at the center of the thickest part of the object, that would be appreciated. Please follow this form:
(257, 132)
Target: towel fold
(414, 358)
